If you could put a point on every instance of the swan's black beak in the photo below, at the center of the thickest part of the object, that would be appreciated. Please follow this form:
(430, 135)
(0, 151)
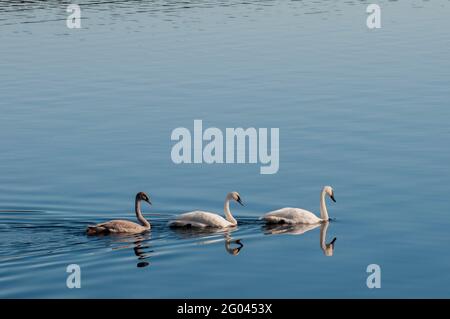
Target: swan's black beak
(148, 201)
(240, 201)
(332, 198)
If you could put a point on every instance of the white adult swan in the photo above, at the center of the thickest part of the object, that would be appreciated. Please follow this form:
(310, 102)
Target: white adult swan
(124, 226)
(201, 219)
(290, 215)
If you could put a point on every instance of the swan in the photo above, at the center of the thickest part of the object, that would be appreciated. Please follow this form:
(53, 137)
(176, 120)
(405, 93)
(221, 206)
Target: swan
(290, 215)
(201, 219)
(124, 226)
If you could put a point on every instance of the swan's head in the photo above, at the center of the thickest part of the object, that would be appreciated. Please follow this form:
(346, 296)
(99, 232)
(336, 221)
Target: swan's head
(143, 196)
(236, 197)
(330, 192)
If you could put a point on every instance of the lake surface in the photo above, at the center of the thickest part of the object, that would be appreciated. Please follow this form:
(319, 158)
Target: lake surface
(87, 115)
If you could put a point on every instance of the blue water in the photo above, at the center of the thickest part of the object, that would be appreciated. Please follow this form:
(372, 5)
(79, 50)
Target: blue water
(86, 119)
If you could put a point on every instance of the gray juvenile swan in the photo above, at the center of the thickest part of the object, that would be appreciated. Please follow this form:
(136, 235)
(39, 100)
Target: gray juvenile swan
(124, 226)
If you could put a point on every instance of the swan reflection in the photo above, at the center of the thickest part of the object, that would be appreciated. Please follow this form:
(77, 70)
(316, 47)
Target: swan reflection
(300, 229)
(233, 250)
(139, 243)
(210, 235)
(327, 249)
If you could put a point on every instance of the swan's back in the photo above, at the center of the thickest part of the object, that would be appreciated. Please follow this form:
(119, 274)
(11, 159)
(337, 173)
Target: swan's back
(291, 215)
(199, 219)
(116, 226)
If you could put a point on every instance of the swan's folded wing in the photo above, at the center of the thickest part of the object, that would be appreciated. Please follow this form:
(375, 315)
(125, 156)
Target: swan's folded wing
(120, 226)
(281, 214)
(291, 215)
(199, 219)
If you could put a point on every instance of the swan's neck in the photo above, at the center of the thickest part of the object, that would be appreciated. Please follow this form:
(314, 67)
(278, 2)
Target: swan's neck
(323, 207)
(228, 215)
(139, 216)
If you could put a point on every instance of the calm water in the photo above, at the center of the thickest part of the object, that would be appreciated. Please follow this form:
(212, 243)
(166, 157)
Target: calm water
(86, 118)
